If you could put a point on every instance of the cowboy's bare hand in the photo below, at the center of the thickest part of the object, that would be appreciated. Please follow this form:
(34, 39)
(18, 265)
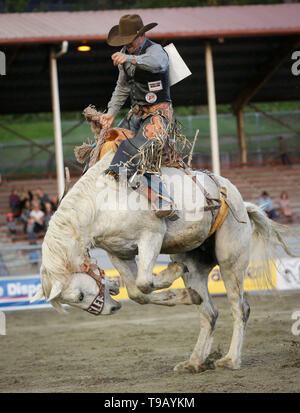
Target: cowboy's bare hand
(107, 120)
(119, 58)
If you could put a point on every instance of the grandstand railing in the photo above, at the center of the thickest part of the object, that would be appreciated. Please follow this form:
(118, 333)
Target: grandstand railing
(20, 259)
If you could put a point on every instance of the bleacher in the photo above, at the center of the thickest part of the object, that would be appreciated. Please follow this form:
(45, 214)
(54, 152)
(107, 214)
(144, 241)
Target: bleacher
(48, 186)
(250, 180)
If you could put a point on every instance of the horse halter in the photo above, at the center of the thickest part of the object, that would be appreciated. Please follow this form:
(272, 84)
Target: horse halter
(97, 305)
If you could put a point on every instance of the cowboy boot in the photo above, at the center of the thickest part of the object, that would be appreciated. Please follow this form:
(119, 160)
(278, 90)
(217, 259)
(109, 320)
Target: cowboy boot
(157, 194)
(164, 208)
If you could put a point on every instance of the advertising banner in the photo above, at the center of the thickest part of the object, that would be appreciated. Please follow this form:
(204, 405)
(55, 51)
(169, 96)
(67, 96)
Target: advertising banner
(16, 292)
(215, 283)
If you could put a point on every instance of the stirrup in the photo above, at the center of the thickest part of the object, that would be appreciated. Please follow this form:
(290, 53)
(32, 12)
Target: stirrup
(169, 213)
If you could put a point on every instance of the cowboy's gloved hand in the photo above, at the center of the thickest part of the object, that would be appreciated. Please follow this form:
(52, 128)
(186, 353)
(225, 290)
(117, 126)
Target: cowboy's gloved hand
(119, 58)
(106, 120)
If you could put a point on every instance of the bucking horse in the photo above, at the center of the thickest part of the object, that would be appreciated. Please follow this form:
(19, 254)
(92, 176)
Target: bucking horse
(100, 212)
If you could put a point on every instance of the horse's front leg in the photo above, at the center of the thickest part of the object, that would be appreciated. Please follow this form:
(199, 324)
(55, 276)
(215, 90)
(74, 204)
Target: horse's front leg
(166, 277)
(149, 247)
(128, 271)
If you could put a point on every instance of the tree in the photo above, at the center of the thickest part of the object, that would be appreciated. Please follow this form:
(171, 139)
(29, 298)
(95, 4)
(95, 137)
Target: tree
(15, 6)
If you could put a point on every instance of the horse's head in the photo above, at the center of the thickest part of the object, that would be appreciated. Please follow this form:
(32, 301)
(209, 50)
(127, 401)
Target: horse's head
(86, 290)
(68, 276)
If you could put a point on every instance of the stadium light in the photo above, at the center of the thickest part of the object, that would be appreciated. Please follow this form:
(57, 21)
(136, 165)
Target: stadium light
(84, 48)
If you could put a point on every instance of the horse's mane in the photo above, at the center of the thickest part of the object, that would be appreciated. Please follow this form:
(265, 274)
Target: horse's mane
(69, 227)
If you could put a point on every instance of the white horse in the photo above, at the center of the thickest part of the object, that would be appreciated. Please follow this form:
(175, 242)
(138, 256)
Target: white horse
(87, 217)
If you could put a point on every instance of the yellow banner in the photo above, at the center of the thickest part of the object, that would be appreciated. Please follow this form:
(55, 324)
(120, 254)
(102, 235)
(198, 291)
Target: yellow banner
(215, 283)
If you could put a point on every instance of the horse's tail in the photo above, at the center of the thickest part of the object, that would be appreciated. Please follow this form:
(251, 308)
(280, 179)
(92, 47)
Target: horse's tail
(268, 237)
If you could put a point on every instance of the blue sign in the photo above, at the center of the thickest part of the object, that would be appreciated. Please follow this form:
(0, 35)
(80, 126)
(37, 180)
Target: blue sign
(16, 292)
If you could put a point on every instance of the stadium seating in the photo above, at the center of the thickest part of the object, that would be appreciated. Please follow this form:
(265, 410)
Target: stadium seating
(250, 180)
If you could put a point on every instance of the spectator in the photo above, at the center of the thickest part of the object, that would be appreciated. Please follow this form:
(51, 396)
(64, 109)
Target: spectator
(285, 206)
(38, 218)
(283, 152)
(48, 214)
(54, 202)
(36, 200)
(11, 224)
(266, 205)
(25, 215)
(14, 202)
(25, 195)
(43, 198)
(30, 228)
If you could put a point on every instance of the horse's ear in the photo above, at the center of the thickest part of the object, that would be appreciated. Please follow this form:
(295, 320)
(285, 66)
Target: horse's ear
(55, 290)
(38, 296)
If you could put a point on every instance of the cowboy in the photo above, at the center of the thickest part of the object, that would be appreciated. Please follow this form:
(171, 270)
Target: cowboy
(144, 76)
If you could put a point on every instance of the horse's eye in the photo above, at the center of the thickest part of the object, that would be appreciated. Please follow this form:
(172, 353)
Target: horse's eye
(81, 296)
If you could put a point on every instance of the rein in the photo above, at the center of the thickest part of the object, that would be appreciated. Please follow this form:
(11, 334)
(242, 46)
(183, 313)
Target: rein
(97, 305)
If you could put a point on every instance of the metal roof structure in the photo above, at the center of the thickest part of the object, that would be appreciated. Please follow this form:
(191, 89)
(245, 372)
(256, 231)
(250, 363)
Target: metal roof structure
(225, 21)
(244, 39)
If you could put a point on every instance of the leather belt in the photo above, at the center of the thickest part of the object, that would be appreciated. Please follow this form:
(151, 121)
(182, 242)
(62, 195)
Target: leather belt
(146, 110)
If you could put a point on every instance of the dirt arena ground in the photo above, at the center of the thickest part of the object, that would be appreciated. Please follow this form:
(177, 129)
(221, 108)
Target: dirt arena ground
(136, 349)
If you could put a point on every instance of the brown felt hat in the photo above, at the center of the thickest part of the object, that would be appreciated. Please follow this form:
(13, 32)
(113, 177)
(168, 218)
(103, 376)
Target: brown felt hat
(129, 28)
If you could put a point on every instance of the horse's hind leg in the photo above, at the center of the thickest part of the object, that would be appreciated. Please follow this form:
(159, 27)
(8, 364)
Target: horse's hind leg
(233, 279)
(196, 279)
(233, 258)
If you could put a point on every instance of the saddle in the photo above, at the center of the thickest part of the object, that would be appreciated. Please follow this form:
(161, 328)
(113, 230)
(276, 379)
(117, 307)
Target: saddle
(115, 136)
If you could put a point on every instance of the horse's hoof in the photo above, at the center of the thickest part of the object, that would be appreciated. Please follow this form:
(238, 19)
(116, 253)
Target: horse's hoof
(176, 267)
(227, 363)
(186, 366)
(146, 288)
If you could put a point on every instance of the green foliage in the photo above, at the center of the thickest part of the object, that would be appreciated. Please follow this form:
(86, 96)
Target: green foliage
(14, 6)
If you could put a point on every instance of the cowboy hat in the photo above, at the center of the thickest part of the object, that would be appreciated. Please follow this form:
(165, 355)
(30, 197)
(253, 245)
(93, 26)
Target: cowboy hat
(129, 28)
